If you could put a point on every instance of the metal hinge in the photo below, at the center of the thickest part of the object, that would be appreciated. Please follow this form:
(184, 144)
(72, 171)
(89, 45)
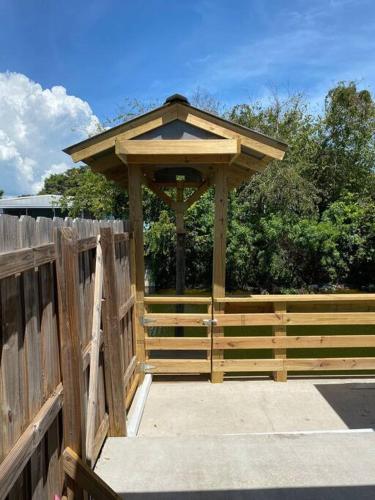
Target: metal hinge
(146, 321)
(210, 322)
(145, 368)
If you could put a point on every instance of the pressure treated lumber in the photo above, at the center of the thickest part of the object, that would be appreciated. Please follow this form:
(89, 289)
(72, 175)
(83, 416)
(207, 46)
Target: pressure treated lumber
(137, 268)
(94, 354)
(172, 343)
(279, 331)
(219, 259)
(294, 364)
(26, 445)
(294, 342)
(179, 366)
(313, 318)
(111, 335)
(174, 319)
(160, 299)
(85, 478)
(311, 297)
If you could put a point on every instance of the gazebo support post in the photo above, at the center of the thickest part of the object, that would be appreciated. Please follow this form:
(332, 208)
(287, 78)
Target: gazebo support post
(138, 277)
(219, 260)
(180, 253)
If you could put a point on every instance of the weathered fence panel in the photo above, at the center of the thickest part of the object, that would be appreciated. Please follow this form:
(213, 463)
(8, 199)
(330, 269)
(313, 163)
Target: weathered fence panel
(47, 283)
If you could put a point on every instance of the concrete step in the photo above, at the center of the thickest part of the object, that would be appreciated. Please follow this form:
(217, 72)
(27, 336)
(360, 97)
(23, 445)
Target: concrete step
(335, 465)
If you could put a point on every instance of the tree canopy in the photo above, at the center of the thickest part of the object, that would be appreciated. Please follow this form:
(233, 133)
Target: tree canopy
(306, 222)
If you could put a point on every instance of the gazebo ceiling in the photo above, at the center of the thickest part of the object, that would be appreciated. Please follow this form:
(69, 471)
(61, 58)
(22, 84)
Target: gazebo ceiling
(178, 135)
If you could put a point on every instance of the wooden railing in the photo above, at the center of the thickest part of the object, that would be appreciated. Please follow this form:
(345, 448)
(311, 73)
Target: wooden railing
(177, 364)
(281, 315)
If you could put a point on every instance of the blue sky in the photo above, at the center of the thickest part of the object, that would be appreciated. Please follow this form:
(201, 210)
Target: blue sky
(103, 51)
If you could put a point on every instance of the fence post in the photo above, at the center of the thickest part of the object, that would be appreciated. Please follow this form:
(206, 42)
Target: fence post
(70, 344)
(279, 331)
(111, 335)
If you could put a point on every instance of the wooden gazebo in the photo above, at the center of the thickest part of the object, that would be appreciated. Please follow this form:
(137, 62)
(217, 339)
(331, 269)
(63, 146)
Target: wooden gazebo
(178, 146)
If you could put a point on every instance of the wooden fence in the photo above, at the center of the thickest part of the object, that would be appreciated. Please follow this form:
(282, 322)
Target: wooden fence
(61, 349)
(274, 326)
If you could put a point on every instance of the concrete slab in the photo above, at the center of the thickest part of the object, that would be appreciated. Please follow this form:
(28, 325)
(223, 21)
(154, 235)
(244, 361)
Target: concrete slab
(186, 408)
(337, 466)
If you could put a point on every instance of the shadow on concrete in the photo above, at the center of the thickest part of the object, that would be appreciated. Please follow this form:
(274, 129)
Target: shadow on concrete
(366, 492)
(353, 402)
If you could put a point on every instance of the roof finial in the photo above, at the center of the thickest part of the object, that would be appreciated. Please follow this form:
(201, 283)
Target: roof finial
(176, 98)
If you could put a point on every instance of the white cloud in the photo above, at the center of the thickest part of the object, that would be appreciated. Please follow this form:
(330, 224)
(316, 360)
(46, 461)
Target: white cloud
(35, 125)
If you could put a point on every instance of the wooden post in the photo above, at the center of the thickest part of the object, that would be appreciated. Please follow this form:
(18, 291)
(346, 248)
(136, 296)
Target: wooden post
(70, 344)
(219, 259)
(180, 253)
(137, 254)
(111, 336)
(279, 330)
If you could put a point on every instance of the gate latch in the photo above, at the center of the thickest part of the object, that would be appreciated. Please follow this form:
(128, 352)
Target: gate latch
(146, 321)
(210, 322)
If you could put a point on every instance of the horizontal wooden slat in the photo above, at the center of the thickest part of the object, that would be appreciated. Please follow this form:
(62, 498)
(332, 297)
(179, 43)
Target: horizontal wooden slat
(179, 366)
(20, 454)
(171, 319)
(124, 308)
(321, 297)
(265, 319)
(294, 364)
(177, 300)
(130, 370)
(294, 342)
(17, 261)
(88, 243)
(121, 237)
(177, 343)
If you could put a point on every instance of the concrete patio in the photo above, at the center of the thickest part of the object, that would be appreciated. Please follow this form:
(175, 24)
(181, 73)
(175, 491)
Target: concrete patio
(306, 439)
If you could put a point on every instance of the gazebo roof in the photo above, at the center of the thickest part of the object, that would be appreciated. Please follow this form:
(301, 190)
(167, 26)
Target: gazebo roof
(177, 134)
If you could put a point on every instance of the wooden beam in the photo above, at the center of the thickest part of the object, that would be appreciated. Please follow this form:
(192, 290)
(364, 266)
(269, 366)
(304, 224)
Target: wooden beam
(293, 342)
(174, 319)
(94, 354)
(18, 261)
(319, 297)
(197, 194)
(271, 319)
(219, 259)
(173, 343)
(249, 138)
(86, 478)
(295, 364)
(194, 366)
(14, 462)
(279, 331)
(159, 192)
(149, 151)
(102, 142)
(137, 267)
(160, 299)
(111, 337)
(70, 341)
